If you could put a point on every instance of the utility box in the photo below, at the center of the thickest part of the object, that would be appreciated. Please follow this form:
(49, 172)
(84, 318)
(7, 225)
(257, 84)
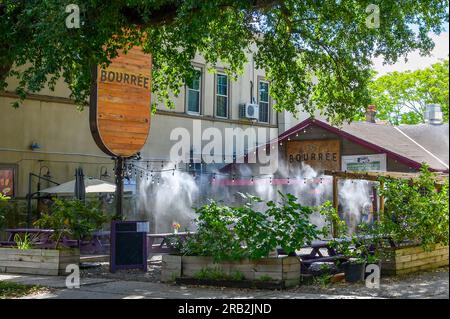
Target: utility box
(128, 245)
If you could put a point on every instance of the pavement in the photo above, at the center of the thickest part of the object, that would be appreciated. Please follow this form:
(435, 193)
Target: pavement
(433, 285)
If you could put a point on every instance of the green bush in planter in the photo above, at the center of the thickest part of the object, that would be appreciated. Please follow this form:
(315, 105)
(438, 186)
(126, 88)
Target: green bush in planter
(233, 233)
(416, 211)
(73, 218)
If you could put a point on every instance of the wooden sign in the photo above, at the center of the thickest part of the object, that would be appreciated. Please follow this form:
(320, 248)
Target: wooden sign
(120, 104)
(319, 154)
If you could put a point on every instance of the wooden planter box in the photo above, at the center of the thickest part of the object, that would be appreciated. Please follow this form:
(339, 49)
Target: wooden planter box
(285, 270)
(404, 260)
(37, 261)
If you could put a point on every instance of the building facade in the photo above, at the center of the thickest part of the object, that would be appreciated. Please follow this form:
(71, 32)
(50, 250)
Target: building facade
(49, 137)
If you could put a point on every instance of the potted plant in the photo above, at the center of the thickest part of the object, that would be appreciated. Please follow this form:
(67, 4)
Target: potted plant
(242, 239)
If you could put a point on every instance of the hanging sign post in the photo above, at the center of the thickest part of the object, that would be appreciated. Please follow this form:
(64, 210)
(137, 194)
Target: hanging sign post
(120, 109)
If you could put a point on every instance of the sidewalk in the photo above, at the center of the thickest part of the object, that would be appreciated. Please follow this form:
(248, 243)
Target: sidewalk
(426, 285)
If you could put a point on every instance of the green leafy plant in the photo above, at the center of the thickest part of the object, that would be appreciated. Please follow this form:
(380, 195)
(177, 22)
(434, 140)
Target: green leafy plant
(217, 273)
(23, 243)
(73, 218)
(323, 280)
(265, 278)
(415, 211)
(233, 233)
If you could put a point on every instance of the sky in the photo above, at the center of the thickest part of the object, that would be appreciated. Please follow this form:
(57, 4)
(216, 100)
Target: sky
(415, 61)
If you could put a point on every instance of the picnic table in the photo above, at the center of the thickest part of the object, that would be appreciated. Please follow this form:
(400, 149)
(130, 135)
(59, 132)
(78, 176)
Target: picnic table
(99, 243)
(319, 247)
(39, 237)
(164, 246)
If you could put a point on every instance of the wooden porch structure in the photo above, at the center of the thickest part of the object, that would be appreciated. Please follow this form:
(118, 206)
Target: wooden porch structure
(441, 178)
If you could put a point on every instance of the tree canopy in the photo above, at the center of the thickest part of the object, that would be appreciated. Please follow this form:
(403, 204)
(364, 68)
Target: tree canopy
(330, 41)
(402, 97)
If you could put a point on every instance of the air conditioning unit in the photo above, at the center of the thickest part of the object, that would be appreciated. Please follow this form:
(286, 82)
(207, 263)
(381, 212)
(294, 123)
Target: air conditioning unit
(249, 111)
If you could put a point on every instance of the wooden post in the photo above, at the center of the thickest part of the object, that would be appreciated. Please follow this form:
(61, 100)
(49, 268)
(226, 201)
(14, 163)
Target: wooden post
(335, 202)
(381, 213)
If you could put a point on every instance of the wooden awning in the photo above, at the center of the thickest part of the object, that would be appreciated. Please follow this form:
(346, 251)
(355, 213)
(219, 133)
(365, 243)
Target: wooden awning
(441, 178)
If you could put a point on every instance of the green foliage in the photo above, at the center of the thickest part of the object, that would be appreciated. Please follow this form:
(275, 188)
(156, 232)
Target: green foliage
(216, 273)
(227, 233)
(401, 97)
(13, 213)
(23, 243)
(294, 41)
(73, 218)
(3, 200)
(265, 278)
(416, 210)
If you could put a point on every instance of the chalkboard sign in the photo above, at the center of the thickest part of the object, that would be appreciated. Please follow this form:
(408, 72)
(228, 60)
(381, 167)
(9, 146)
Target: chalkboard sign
(128, 245)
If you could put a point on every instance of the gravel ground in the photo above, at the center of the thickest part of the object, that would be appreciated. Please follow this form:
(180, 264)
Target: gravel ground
(153, 273)
(430, 284)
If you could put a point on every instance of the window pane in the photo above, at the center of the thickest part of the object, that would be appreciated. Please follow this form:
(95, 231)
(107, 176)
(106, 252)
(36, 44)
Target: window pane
(222, 106)
(264, 91)
(222, 84)
(264, 112)
(193, 101)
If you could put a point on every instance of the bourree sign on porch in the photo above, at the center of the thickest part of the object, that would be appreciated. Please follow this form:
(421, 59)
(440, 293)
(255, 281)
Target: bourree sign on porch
(120, 104)
(319, 154)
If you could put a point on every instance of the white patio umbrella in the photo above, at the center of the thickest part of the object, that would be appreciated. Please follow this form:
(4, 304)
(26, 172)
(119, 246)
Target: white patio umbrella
(92, 185)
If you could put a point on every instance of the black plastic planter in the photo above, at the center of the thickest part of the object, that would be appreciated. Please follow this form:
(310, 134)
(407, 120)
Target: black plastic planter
(354, 272)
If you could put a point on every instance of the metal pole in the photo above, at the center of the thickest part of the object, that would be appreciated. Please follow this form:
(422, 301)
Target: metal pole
(119, 186)
(29, 201)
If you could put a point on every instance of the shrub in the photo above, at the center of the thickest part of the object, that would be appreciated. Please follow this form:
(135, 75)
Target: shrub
(416, 211)
(227, 233)
(73, 218)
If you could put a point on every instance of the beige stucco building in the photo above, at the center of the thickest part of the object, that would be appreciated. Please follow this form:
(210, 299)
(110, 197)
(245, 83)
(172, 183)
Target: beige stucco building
(47, 134)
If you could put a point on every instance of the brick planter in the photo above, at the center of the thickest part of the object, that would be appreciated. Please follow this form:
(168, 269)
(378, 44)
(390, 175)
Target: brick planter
(285, 270)
(37, 261)
(404, 260)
